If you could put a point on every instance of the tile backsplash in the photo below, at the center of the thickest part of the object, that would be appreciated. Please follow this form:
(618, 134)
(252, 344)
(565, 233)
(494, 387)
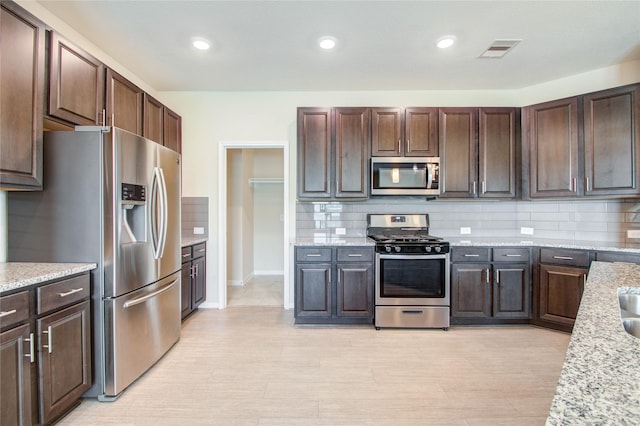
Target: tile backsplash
(605, 221)
(195, 213)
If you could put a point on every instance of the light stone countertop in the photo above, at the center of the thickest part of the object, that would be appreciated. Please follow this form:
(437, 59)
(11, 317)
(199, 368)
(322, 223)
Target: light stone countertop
(14, 275)
(193, 239)
(600, 379)
(335, 240)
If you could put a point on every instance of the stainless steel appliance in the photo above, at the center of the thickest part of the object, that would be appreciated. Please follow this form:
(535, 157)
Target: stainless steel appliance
(111, 198)
(405, 176)
(412, 281)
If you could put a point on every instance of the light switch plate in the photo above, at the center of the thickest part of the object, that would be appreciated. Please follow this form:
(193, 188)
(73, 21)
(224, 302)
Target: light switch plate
(465, 230)
(341, 231)
(198, 230)
(526, 231)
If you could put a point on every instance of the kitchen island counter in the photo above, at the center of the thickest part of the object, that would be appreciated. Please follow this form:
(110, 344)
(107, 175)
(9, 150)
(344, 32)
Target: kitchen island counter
(15, 275)
(600, 378)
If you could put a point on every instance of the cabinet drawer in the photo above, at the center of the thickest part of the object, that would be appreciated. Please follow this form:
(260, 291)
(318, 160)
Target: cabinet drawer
(564, 257)
(510, 254)
(62, 293)
(199, 250)
(617, 257)
(470, 254)
(355, 254)
(313, 254)
(14, 308)
(186, 254)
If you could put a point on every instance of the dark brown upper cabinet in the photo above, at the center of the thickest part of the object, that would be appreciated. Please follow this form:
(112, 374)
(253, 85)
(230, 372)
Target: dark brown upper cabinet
(123, 103)
(22, 76)
(585, 145)
(458, 152)
(172, 130)
(611, 141)
(498, 154)
(408, 132)
(333, 152)
(76, 84)
(153, 125)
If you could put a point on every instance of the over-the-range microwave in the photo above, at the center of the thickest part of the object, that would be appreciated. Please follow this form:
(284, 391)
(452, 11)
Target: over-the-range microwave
(405, 176)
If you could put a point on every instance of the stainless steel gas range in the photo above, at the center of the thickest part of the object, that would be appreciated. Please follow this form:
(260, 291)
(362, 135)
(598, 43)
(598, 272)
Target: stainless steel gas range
(412, 286)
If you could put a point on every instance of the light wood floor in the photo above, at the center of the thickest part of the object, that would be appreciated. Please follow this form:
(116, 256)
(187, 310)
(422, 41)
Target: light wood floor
(252, 366)
(260, 290)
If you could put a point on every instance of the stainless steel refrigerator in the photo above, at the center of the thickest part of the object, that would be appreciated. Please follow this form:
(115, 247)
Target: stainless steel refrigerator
(112, 198)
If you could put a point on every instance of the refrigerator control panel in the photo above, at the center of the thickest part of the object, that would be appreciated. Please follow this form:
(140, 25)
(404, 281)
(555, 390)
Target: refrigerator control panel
(133, 194)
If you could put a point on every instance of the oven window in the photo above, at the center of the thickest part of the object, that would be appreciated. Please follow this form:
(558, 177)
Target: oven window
(412, 278)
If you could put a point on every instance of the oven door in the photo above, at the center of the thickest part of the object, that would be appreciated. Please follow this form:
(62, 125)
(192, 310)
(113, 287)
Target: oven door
(412, 280)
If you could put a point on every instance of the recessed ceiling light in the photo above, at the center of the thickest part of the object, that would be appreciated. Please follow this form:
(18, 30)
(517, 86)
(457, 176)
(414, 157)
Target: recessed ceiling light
(201, 44)
(446, 41)
(327, 42)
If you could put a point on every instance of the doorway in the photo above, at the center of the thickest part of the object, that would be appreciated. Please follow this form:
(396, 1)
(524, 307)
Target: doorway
(253, 224)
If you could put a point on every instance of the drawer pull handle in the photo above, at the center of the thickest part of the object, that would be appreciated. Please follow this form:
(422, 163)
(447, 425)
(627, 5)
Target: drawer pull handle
(355, 255)
(471, 255)
(70, 292)
(32, 352)
(563, 257)
(513, 255)
(202, 250)
(314, 255)
(186, 255)
(7, 313)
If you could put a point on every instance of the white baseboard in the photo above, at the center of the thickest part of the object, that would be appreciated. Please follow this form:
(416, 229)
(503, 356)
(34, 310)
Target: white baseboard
(208, 305)
(235, 282)
(268, 272)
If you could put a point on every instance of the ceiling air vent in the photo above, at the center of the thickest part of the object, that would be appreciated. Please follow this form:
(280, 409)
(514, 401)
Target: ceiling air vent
(499, 48)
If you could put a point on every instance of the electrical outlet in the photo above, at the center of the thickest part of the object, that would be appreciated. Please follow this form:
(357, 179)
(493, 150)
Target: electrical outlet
(198, 230)
(341, 231)
(526, 231)
(633, 233)
(465, 230)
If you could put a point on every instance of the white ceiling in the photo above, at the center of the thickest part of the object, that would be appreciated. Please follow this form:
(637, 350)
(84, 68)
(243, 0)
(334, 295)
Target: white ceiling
(382, 45)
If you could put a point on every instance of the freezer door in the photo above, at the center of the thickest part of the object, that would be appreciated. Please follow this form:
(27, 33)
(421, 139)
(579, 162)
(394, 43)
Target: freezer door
(140, 328)
(168, 164)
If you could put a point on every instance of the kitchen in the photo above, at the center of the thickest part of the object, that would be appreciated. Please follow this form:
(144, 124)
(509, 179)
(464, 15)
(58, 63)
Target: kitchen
(217, 116)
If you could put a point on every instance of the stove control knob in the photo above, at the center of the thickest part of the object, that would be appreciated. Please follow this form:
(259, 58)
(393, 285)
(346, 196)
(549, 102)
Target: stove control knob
(427, 249)
(397, 249)
(438, 249)
(387, 248)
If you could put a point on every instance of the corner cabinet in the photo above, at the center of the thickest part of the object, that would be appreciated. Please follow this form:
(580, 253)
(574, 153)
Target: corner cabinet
(404, 132)
(333, 153)
(194, 284)
(333, 285)
(479, 152)
(585, 145)
(22, 77)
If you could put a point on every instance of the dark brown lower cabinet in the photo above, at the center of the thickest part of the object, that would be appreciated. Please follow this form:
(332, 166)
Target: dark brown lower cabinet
(64, 359)
(194, 283)
(15, 376)
(334, 285)
(561, 289)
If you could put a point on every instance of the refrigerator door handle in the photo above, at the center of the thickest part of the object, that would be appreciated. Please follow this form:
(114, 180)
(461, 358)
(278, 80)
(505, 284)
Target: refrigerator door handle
(146, 297)
(158, 212)
(164, 211)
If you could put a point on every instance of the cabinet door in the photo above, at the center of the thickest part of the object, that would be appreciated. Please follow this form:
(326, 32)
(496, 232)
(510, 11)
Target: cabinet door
(458, 152)
(153, 127)
(313, 290)
(354, 290)
(314, 152)
(172, 130)
(386, 132)
(64, 359)
(199, 288)
(470, 290)
(185, 295)
(420, 132)
(561, 289)
(497, 152)
(15, 376)
(611, 141)
(351, 136)
(21, 104)
(123, 103)
(76, 84)
(552, 132)
(512, 290)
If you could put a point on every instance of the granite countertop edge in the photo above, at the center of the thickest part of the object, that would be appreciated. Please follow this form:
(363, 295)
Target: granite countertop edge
(191, 240)
(600, 378)
(16, 275)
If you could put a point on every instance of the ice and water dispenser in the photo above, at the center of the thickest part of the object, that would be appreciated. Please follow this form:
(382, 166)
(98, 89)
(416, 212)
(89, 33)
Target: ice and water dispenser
(134, 221)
